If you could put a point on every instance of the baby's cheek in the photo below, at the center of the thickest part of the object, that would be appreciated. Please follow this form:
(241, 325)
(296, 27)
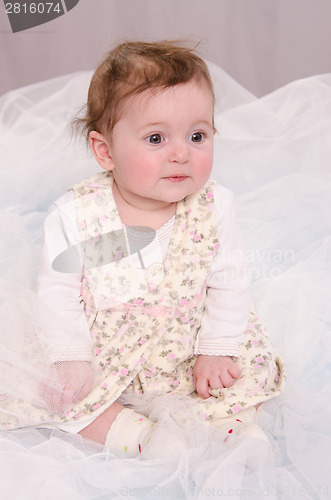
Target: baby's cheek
(205, 162)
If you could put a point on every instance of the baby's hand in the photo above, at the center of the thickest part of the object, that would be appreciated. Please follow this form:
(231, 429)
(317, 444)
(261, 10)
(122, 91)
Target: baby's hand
(71, 382)
(215, 372)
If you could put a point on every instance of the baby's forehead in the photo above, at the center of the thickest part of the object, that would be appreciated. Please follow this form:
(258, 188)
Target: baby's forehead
(162, 99)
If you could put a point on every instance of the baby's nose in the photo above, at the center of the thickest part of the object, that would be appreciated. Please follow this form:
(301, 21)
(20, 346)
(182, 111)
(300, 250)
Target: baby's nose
(179, 153)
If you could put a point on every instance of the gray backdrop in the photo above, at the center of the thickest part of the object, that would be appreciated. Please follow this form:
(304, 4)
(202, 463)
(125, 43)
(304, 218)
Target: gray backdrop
(263, 44)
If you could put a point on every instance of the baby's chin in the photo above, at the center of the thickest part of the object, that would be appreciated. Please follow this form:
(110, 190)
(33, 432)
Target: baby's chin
(187, 192)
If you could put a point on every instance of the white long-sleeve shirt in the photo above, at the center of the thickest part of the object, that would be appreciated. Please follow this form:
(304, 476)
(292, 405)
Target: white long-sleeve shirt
(227, 303)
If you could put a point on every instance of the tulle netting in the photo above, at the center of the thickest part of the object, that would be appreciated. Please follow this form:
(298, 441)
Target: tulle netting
(274, 153)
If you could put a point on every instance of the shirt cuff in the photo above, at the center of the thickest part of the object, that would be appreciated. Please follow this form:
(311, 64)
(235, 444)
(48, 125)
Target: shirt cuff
(63, 353)
(229, 348)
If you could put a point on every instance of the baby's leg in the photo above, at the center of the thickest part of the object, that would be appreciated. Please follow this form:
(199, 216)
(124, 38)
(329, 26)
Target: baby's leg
(127, 433)
(122, 430)
(97, 431)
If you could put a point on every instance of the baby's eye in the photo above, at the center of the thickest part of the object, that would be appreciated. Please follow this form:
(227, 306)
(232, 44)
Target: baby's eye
(154, 139)
(197, 137)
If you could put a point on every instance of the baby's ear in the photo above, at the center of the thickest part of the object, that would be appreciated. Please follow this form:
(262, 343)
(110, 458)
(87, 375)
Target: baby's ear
(100, 149)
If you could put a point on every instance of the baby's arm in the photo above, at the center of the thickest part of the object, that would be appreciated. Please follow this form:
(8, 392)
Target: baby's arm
(65, 333)
(215, 372)
(226, 305)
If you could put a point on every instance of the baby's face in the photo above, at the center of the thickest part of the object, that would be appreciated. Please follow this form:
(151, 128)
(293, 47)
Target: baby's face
(161, 149)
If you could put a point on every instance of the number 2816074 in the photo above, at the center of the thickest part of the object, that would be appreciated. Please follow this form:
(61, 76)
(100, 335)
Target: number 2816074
(33, 8)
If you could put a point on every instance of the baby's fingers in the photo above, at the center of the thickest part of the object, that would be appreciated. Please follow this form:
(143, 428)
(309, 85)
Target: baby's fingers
(235, 370)
(83, 392)
(227, 379)
(201, 385)
(53, 399)
(228, 376)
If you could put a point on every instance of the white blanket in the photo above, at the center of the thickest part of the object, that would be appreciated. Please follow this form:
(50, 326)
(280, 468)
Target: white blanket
(275, 154)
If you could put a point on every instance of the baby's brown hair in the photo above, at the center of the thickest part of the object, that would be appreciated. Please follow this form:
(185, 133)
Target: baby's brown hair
(130, 69)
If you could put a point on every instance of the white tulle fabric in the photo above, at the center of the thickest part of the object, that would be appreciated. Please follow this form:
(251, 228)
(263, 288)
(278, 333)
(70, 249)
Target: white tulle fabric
(275, 154)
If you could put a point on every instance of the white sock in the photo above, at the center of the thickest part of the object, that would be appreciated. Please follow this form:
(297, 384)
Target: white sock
(129, 434)
(242, 424)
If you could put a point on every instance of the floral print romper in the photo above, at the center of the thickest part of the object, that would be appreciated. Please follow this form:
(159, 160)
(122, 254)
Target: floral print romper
(144, 329)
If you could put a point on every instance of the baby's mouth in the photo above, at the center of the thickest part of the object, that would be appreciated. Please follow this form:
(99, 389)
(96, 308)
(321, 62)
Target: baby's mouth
(176, 178)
